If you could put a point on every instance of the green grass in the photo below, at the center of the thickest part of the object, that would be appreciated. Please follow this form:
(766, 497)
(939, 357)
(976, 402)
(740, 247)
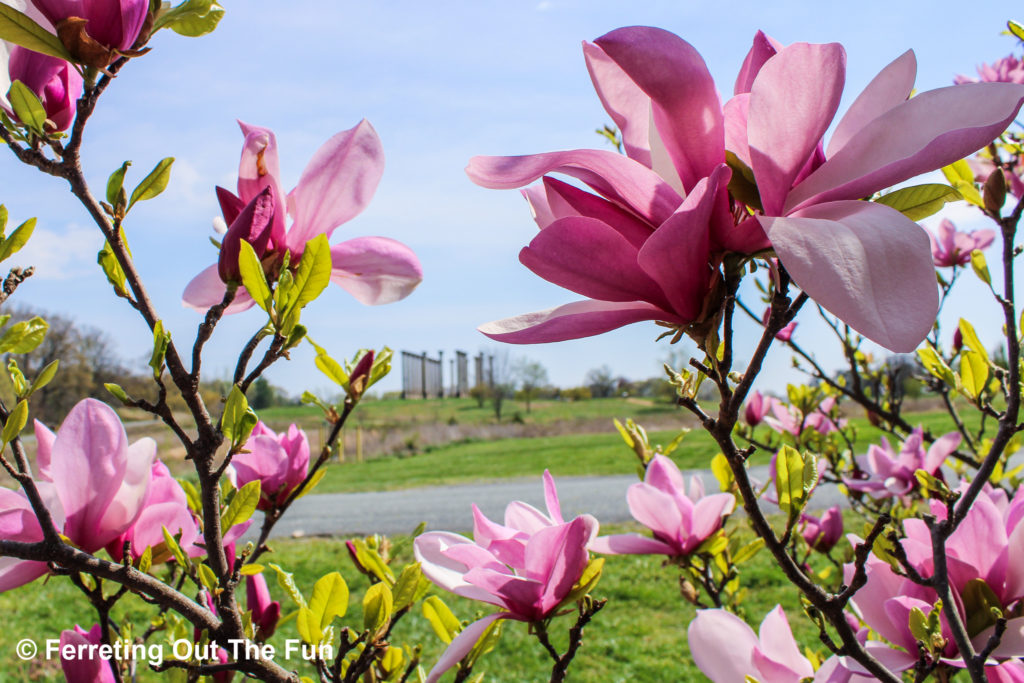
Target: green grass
(638, 636)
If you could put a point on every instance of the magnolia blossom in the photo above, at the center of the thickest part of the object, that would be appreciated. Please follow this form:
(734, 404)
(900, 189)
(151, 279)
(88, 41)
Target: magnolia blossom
(885, 473)
(55, 82)
(986, 549)
(335, 187)
(641, 248)
(90, 667)
(790, 420)
(95, 31)
(680, 522)
(278, 461)
(822, 533)
(950, 247)
(527, 566)
(756, 408)
(1009, 69)
(265, 612)
(727, 650)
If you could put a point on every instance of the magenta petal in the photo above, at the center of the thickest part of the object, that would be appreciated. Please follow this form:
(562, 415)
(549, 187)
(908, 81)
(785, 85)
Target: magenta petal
(792, 102)
(571, 321)
(685, 104)
(88, 669)
(708, 513)
(336, 185)
(630, 544)
(866, 263)
(676, 255)
(656, 510)
(940, 450)
(926, 132)
(556, 556)
(778, 644)
(615, 176)
(551, 499)
(536, 196)
(762, 49)
(564, 253)
(624, 101)
(44, 450)
(566, 200)
(722, 645)
(429, 549)
(207, 289)
(461, 646)
(259, 170)
(375, 270)
(663, 474)
(891, 87)
(736, 112)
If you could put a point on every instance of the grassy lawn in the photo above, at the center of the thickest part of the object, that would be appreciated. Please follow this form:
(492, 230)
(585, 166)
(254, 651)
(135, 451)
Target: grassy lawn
(639, 636)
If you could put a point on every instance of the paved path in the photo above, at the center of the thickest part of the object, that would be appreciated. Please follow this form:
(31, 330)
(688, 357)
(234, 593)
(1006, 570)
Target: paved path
(448, 507)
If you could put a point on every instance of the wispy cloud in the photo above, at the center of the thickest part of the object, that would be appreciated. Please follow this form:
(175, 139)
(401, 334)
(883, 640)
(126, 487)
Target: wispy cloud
(61, 255)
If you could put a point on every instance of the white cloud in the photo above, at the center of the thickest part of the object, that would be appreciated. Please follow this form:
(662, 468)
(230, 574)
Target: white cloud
(61, 256)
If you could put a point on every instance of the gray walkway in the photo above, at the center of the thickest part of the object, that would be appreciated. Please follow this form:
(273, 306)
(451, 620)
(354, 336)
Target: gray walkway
(448, 507)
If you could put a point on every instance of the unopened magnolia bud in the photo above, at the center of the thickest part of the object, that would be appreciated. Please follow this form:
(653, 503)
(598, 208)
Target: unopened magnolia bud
(958, 341)
(994, 192)
(688, 591)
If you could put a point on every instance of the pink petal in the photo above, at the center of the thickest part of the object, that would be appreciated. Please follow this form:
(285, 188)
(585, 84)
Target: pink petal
(567, 200)
(685, 104)
(891, 87)
(375, 270)
(656, 510)
(924, 133)
(630, 544)
(551, 499)
(429, 549)
(526, 518)
(557, 556)
(663, 474)
(778, 644)
(866, 263)
(44, 449)
(722, 645)
(624, 101)
(940, 450)
(336, 185)
(763, 49)
(708, 513)
(792, 102)
(676, 255)
(572, 321)
(536, 196)
(88, 669)
(207, 289)
(259, 169)
(619, 178)
(127, 503)
(266, 462)
(461, 646)
(566, 252)
(736, 113)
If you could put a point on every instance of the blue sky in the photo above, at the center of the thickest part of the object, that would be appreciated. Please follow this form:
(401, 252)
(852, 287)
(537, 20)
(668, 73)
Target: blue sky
(440, 82)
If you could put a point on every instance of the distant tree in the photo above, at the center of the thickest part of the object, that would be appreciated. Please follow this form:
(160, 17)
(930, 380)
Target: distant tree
(263, 394)
(601, 381)
(532, 377)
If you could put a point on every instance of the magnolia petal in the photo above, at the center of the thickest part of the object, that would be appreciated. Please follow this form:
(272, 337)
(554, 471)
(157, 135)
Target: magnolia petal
(375, 270)
(461, 645)
(336, 185)
(443, 571)
(891, 87)
(1012, 642)
(655, 509)
(866, 263)
(258, 170)
(940, 450)
(44, 449)
(572, 321)
(551, 499)
(567, 200)
(676, 256)
(90, 668)
(778, 644)
(624, 101)
(557, 556)
(630, 544)
(663, 474)
(127, 504)
(792, 102)
(687, 112)
(722, 645)
(537, 197)
(207, 289)
(762, 49)
(928, 131)
(708, 513)
(736, 112)
(566, 252)
(18, 522)
(619, 178)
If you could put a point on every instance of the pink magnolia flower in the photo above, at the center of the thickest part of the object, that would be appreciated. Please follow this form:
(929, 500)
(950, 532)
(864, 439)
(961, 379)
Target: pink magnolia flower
(863, 261)
(113, 24)
(727, 650)
(165, 506)
(953, 248)
(89, 668)
(987, 546)
(335, 187)
(680, 522)
(527, 567)
(756, 408)
(789, 420)
(265, 612)
(886, 473)
(823, 533)
(278, 461)
(1008, 69)
(55, 82)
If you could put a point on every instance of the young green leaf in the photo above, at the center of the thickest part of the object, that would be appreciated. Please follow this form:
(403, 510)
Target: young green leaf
(115, 183)
(242, 506)
(44, 377)
(378, 605)
(16, 422)
(253, 277)
(920, 201)
(18, 239)
(329, 600)
(154, 183)
(23, 337)
(441, 619)
(20, 29)
(192, 18)
(287, 582)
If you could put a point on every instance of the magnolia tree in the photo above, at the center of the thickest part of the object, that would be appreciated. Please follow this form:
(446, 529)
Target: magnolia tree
(701, 196)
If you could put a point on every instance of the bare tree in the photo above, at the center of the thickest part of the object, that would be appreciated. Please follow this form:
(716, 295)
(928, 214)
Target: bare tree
(532, 377)
(601, 382)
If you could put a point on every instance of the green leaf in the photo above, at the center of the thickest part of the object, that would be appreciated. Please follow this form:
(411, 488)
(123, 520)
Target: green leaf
(192, 18)
(723, 473)
(195, 503)
(231, 421)
(19, 29)
(330, 599)
(172, 544)
(242, 506)
(981, 605)
(313, 481)
(378, 604)
(935, 365)
(973, 373)
(920, 201)
(18, 239)
(287, 582)
(161, 340)
(117, 392)
(407, 585)
(44, 377)
(1016, 29)
(795, 476)
(971, 340)
(587, 581)
(314, 272)
(484, 644)
(961, 177)
(115, 183)
(154, 183)
(371, 560)
(16, 421)
(24, 336)
(441, 619)
(253, 277)
(146, 560)
(329, 366)
(112, 269)
(980, 267)
(308, 626)
(251, 569)
(208, 578)
(748, 551)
